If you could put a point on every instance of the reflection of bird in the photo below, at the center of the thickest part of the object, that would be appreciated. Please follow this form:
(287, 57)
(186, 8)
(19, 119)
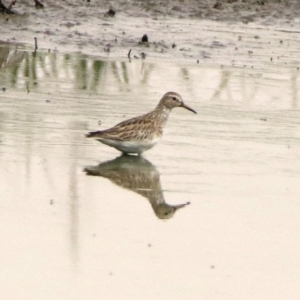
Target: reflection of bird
(139, 134)
(137, 174)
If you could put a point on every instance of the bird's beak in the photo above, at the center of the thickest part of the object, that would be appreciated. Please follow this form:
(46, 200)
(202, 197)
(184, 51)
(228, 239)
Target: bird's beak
(188, 108)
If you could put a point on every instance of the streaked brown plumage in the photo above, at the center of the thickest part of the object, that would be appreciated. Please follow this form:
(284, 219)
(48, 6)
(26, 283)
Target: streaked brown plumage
(141, 133)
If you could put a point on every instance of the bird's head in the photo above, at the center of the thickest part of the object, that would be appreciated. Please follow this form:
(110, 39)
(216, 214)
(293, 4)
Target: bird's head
(172, 99)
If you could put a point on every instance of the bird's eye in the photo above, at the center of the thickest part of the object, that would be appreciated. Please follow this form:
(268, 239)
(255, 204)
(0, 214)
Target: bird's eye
(174, 98)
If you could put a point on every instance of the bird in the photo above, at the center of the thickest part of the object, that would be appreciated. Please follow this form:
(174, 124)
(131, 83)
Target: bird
(139, 134)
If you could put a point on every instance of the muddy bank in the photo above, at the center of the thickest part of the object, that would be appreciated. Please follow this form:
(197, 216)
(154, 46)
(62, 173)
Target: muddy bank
(220, 10)
(208, 31)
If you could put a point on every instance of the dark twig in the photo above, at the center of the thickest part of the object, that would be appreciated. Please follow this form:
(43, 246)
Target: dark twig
(38, 4)
(13, 2)
(6, 10)
(129, 55)
(35, 46)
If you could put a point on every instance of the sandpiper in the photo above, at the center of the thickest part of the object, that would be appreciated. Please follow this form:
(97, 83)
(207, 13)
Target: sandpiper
(141, 133)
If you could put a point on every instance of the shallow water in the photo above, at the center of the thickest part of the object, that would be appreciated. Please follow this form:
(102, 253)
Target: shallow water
(78, 222)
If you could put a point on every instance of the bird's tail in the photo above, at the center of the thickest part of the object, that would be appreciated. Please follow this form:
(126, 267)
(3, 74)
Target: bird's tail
(93, 134)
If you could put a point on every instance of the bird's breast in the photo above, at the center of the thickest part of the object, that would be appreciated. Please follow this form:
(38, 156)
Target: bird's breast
(132, 146)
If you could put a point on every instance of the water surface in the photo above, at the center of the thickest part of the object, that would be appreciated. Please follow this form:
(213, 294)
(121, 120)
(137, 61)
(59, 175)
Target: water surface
(79, 222)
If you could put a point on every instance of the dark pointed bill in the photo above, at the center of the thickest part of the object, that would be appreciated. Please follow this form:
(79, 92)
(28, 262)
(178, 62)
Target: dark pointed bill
(188, 108)
(181, 205)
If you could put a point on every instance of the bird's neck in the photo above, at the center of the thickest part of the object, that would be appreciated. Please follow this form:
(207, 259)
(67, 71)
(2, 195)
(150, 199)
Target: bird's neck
(163, 113)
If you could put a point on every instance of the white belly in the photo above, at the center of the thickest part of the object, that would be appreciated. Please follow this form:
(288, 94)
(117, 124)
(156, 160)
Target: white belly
(131, 146)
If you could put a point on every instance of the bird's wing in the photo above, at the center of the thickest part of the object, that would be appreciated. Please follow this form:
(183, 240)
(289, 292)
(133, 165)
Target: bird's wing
(133, 129)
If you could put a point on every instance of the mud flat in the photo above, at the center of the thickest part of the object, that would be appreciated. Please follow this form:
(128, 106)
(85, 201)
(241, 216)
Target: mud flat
(240, 32)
